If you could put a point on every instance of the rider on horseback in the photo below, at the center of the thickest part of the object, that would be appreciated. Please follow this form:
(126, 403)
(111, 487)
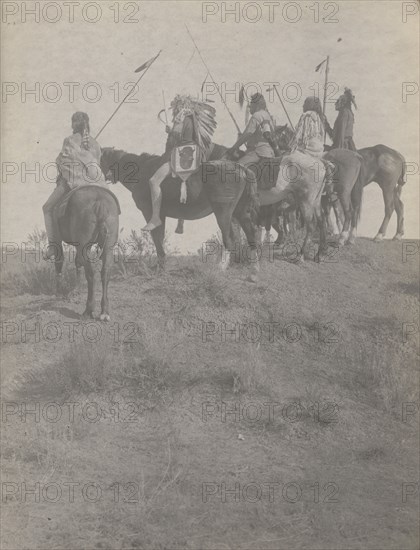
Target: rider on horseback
(78, 164)
(193, 121)
(309, 134)
(258, 135)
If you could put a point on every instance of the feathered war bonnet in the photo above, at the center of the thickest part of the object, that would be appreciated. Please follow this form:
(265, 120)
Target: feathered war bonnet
(204, 117)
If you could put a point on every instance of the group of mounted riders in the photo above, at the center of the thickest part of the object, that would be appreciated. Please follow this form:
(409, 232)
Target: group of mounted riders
(79, 162)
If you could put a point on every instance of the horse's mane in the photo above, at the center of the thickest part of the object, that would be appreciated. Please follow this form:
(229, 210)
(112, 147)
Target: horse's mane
(143, 157)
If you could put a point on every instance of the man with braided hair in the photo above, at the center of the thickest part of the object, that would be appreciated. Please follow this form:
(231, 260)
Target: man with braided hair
(342, 134)
(310, 131)
(258, 135)
(193, 122)
(78, 164)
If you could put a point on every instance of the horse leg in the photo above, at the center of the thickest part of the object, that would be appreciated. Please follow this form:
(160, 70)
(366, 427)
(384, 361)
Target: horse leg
(388, 194)
(235, 235)
(158, 236)
(290, 224)
(280, 232)
(356, 200)
(180, 227)
(259, 234)
(308, 215)
(322, 225)
(58, 266)
(90, 302)
(106, 267)
(244, 218)
(223, 213)
(326, 209)
(268, 224)
(339, 221)
(346, 204)
(399, 208)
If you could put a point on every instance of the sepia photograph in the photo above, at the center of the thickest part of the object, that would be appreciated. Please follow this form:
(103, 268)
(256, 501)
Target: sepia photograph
(210, 260)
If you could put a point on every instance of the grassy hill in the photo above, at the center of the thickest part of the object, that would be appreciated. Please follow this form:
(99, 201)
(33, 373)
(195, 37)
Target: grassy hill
(212, 412)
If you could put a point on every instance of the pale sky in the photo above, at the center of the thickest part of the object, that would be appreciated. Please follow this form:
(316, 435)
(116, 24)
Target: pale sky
(377, 53)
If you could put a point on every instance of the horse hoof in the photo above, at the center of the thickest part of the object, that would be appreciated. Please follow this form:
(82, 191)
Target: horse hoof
(351, 241)
(88, 314)
(179, 231)
(398, 237)
(341, 241)
(252, 278)
(104, 317)
(379, 238)
(300, 260)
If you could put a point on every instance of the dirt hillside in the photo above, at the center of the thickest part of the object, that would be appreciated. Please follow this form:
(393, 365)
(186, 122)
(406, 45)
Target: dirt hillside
(213, 413)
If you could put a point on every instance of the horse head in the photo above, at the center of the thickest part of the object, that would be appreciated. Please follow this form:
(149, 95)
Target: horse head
(110, 156)
(284, 136)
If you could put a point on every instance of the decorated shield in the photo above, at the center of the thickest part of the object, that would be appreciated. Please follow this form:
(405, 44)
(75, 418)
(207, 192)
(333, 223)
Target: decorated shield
(185, 160)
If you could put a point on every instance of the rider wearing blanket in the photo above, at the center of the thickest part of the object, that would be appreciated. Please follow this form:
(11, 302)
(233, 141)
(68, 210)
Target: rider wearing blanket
(78, 164)
(307, 146)
(342, 134)
(258, 134)
(193, 121)
(309, 135)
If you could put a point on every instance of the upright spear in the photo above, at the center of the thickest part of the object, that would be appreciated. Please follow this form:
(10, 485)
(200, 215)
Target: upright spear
(164, 105)
(214, 82)
(324, 105)
(327, 70)
(146, 66)
(282, 104)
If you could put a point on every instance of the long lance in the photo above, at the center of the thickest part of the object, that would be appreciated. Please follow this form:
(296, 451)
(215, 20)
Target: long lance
(164, 105)
(324, 104)
(146, 66)
(214, 82)
(327, 70)
(282, 104)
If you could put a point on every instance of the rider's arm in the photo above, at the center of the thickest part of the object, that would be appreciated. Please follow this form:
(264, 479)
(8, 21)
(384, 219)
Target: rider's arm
(269, 137)
(243, 139)
(248, 132)
(328, 128)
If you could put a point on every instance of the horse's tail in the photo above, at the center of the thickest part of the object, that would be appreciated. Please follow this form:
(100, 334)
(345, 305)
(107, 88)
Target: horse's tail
(359, 186)
(403, 177)
(251, 190)
(101, 212)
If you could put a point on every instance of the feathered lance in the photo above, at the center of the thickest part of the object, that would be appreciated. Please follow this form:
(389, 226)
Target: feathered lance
(214, 82)
(145, 67)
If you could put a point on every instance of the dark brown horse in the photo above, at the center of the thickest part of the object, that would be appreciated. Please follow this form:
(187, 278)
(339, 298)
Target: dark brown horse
(284, 134)
(90, 218)
(222, 187)
(387, 167)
